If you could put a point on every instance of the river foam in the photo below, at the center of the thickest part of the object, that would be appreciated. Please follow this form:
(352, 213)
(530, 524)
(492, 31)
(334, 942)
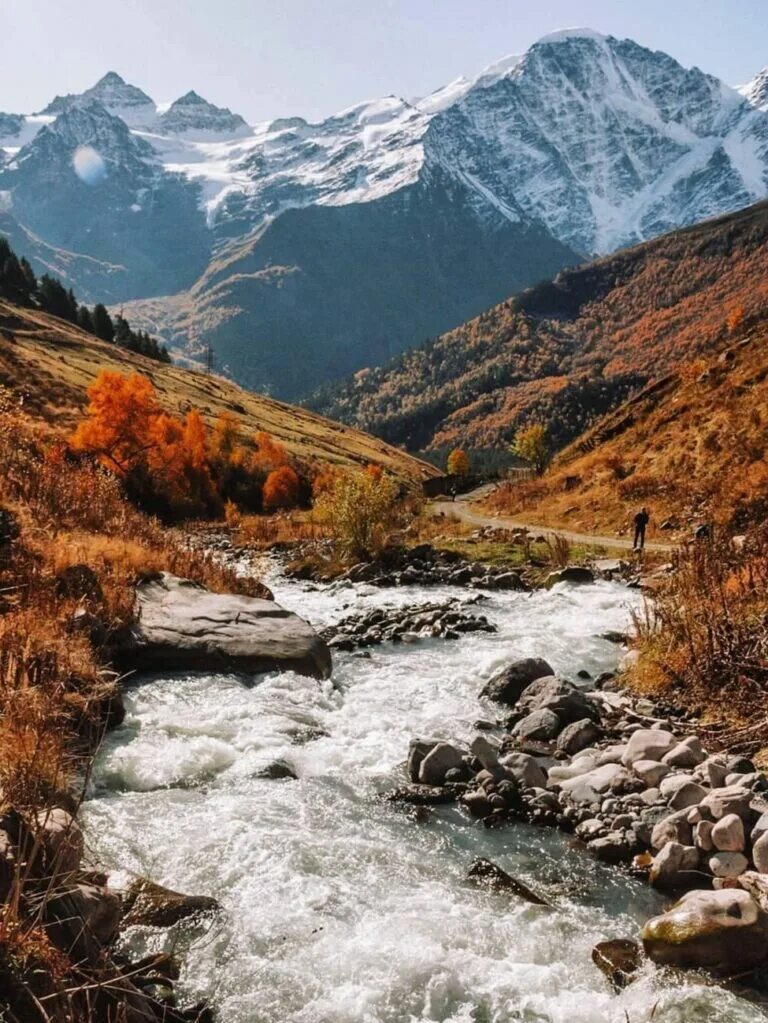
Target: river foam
(338, 908)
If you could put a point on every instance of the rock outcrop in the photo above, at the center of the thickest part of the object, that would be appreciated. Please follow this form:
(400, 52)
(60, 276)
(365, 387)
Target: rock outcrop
(182, 626)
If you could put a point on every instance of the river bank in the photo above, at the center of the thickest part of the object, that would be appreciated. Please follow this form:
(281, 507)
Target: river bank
(335, 905)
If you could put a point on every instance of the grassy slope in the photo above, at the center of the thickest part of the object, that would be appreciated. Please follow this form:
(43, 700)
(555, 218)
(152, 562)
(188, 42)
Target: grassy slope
(51, 364)
(570, 349)
(692, 446)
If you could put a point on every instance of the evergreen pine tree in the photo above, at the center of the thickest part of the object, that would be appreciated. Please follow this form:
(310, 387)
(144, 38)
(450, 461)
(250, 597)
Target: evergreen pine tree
(85, 319)
(29, 275)
(14, 283)
(55, 299)
(122, 331)
(102, 323)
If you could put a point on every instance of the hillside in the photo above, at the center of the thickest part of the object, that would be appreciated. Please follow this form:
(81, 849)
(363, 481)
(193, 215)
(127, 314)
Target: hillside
(571, 349)
(49, 364)
(692, 446)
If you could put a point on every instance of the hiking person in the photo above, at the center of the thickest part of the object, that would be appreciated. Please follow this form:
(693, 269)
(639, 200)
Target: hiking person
(641, 521)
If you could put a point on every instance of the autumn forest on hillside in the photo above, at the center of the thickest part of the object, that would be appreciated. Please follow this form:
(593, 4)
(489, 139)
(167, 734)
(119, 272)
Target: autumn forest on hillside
(568, 351)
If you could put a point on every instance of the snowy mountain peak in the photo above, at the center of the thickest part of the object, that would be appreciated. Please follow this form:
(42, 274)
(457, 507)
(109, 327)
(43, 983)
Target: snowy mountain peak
(87, 125)
(756, 91)
(194, 117)
(564, 35)
(190, 99)
(115, 93)
(10, 125)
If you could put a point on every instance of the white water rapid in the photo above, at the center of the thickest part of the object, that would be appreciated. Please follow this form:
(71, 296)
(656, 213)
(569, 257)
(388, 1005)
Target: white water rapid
(338, 908)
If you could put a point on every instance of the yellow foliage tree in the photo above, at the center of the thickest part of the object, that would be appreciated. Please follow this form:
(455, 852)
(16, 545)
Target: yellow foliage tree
(458, 463)
(533, 446)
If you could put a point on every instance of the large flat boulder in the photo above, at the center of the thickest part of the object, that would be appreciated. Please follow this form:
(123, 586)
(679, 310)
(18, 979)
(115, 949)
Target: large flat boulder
(182, 626)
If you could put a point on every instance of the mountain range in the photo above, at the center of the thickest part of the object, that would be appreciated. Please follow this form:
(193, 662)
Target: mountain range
(303, 252)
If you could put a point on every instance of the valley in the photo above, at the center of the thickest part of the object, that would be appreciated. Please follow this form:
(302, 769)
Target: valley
(572, 349)
(384, 524)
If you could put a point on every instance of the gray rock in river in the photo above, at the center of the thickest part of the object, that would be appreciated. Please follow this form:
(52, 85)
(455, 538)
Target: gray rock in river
(507, 685)
(618, 959)
(151, 905)
(578, 736)
(561, 697)
(443, 757)
(574, 574)
(180, 625)
(539, 724)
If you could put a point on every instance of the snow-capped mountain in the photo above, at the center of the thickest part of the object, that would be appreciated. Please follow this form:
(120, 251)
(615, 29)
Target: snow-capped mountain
(346, 240)
(88, 184)
(10, 125)
(756, 91)
(195, 117)
(126, 101)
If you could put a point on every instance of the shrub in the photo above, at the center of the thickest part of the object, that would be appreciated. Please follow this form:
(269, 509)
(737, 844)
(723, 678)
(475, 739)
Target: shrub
(705, 635)
(360, 511)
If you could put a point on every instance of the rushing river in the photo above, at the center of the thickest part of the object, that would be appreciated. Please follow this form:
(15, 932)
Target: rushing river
(337, 907)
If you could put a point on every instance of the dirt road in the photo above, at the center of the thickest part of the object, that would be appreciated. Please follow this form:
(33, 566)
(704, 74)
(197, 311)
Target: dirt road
(463, 509)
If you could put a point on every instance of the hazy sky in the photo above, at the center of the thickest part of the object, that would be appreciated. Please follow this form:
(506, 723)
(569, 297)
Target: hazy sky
(272, 58)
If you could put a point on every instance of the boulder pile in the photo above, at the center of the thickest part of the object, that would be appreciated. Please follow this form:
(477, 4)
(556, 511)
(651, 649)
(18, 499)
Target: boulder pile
(445, 620)
(637, 786)
(425, 565)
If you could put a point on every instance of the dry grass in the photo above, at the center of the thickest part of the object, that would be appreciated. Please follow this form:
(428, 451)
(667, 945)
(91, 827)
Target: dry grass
(71, 548)
(265, 530)
(703, 640)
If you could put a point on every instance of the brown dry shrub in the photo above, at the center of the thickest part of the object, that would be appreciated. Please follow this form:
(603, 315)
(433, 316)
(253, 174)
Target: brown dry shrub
(703, 639)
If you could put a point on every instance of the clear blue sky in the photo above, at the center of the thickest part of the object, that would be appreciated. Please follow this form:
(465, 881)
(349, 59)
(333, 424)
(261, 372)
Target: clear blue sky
(273, 58)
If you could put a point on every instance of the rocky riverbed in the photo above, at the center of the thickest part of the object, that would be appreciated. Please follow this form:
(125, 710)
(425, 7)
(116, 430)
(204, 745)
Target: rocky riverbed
(337, 906)
(637, 787)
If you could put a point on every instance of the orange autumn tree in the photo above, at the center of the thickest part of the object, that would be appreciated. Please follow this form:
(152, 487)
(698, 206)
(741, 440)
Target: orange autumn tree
(226, 442)
(178, 468)
(281, 489)
(120, 412)
(458, 463)
(178, 463)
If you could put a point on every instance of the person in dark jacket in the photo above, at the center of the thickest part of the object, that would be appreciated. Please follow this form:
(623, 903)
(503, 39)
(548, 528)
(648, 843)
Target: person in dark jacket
(641, 521)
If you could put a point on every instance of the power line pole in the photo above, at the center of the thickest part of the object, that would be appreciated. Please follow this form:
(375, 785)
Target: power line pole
(210, 359)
